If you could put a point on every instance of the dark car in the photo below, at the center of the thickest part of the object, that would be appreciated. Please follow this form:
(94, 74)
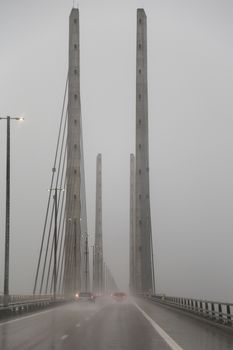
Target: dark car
(85, 296)
(119, 296)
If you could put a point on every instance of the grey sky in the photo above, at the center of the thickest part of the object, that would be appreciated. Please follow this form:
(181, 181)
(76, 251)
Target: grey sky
(190, 69)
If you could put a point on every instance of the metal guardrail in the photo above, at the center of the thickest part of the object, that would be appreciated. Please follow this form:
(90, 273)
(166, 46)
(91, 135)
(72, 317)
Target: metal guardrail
(218, 312)
(28, 303)
(12, 299)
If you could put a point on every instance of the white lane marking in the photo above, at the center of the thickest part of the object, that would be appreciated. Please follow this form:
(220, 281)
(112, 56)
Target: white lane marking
(87, 318)
(64, 336)
(77, 325)
(173, 345)
(25, 317)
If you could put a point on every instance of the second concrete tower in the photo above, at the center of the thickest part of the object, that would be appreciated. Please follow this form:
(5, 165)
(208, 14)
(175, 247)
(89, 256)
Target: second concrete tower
(143, 276)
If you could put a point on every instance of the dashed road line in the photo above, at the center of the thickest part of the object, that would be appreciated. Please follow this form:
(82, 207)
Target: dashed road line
(64, 336)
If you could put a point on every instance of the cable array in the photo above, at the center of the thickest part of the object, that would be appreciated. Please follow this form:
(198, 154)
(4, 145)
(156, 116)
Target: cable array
(68, 241)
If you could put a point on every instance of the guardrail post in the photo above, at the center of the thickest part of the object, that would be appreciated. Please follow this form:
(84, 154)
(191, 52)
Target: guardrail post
(201, 307)
(228, 314)
(206, 309)
(213, 311)
(196, 306)
(220, 312)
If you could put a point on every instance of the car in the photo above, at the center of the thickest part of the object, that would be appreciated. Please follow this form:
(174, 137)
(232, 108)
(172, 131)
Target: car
(119, 296)
(85, 296)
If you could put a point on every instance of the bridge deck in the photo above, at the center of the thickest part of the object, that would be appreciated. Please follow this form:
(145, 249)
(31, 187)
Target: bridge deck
(188, 332)
(110, 325)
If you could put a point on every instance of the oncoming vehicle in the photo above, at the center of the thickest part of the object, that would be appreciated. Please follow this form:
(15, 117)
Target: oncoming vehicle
(119, 296)
(85, 296)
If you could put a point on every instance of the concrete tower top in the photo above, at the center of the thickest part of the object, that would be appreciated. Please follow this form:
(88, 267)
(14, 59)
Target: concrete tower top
(141, 12)
(74, 12)
(141, 21)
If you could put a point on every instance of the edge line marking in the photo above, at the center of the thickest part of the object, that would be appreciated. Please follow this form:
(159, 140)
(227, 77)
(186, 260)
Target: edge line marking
(25, 317)
(172, 344)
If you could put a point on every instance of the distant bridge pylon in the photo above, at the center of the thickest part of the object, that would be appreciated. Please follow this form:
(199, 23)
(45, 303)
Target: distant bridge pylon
(98, 275)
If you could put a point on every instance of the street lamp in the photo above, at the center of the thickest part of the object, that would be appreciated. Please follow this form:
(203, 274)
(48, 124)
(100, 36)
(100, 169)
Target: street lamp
(7, 222)
(75, 255)
(93, 268)
(55, 240)
(86, 260)
(85, 235)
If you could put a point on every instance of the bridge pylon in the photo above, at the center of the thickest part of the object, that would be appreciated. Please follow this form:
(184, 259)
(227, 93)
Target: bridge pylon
(143, 269)
(72, 266)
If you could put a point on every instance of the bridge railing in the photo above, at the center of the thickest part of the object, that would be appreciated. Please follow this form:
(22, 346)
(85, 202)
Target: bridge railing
(22, 298)
(18, 304)
(218, 312)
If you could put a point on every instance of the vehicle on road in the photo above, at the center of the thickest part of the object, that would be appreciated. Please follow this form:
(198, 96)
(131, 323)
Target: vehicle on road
(85, 296)
(119, 296)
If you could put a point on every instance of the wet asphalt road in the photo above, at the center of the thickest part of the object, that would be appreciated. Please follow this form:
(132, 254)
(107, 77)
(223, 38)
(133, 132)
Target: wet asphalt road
(188, 332)
(108, 325)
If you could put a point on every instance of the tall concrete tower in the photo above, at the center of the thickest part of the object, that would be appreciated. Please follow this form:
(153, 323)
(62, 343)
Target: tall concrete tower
(132, 226)
(98, 257)
(72, 273)
(143, 240)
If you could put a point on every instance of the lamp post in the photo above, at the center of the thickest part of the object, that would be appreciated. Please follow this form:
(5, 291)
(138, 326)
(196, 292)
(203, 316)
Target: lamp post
(7, 220)
(86, 253)
(74, 252)
(75, 255)
(93, 268)
(55, 240)
(86, 260)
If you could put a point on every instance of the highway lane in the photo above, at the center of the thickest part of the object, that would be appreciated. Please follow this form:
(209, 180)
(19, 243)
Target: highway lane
(109, 325)
(105, 325)
(188, 332)
(118, 326)
(46, 329)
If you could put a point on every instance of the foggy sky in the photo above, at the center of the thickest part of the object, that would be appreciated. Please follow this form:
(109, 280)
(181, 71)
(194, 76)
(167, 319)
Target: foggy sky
(190, 70)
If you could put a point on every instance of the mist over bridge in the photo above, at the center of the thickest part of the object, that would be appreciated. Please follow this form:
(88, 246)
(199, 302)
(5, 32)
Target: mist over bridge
(64, 265)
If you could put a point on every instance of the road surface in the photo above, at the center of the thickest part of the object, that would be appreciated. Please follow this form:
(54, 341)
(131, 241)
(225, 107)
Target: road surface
(108, 325)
